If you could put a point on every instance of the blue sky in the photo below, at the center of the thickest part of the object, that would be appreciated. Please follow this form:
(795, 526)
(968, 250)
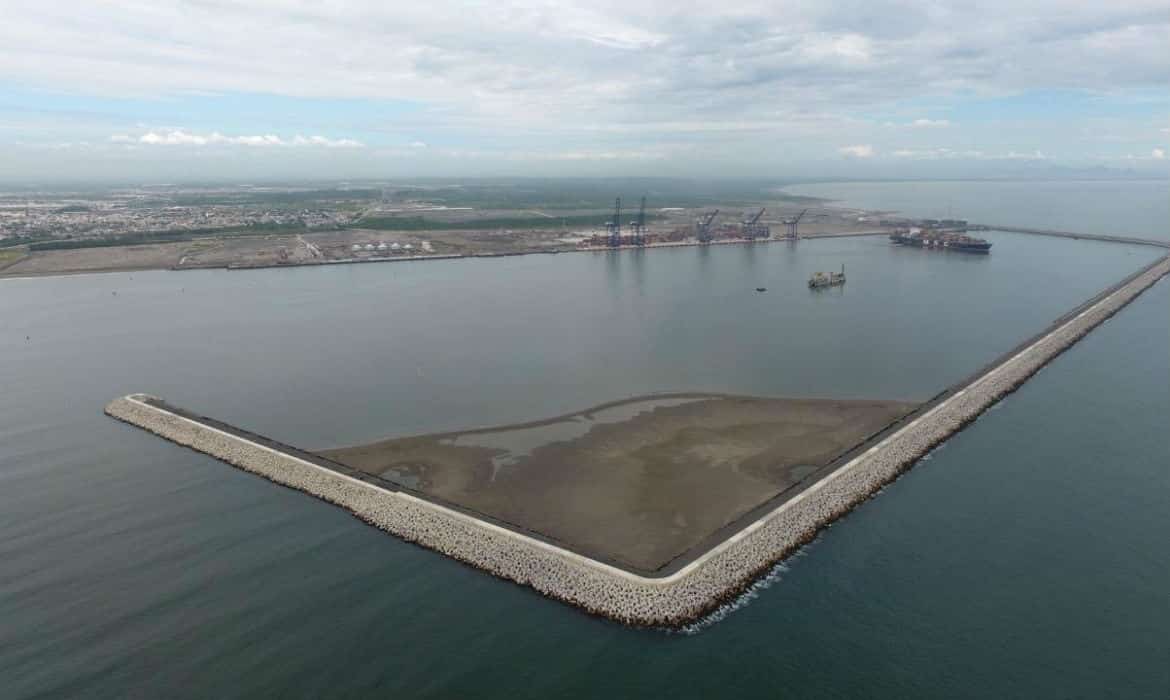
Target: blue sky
(290, 89)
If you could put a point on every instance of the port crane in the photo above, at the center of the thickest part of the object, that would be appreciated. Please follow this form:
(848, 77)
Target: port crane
(793, 223)
(752, 221)
(703, 229)
(752, 228)
(615, 227)
(640, 225)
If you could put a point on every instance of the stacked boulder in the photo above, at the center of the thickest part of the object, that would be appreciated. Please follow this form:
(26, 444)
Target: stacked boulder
(697, 588)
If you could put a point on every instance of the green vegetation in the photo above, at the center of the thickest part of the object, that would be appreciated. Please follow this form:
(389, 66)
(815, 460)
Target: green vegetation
(155, 237)
(311, 199)
(9, 256)
(583, 193)
(14, 241)
(419, 223)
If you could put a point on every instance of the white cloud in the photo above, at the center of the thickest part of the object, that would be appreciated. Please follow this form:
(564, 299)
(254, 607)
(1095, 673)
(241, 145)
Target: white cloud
(749, 82)
(597, 155)
(929, 123)
(968, 154)
(940, 154)
(601, 155)
(859, 151)
(1158, 154)
(299, 140)
(180, 137)
(565, 54)
(1034, 155)
(847, 48)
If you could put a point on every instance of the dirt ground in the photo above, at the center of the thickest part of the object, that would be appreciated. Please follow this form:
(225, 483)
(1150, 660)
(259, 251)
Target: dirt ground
(230, 250)
(199, 253)
(641, 490)
(136, 257)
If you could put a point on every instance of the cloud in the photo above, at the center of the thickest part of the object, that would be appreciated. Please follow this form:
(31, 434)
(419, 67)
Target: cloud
(1034, 155)
(929, 123)
(760, 81)
(299, 140)
(180, 137)
(568, 54)
(859, 151)
(601, 155)
(967, 154)
(934, 154)
(1157, 153)
(595, 155)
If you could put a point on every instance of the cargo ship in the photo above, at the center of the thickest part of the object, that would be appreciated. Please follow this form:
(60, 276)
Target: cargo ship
(940, 240)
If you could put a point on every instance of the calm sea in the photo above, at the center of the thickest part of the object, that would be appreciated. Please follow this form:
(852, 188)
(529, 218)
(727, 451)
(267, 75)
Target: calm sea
(1138, 208)
(1024, 558)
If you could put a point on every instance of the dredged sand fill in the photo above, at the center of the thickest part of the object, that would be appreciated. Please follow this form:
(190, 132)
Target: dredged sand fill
(712, 577)
(637, 482)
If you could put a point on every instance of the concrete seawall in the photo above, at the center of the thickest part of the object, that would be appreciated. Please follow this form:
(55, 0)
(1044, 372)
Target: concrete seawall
(1079, 236)
(694, 589)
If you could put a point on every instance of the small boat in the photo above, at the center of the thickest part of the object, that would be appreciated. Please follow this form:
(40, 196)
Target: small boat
(761, 289)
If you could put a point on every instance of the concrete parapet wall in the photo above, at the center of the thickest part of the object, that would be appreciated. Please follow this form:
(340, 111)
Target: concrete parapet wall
(712, 578)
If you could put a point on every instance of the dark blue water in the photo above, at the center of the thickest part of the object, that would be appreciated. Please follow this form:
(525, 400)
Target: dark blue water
(1025, 558)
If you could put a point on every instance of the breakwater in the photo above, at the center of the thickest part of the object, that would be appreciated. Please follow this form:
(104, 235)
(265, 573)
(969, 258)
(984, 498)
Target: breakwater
(718, 574)
(1077, 236)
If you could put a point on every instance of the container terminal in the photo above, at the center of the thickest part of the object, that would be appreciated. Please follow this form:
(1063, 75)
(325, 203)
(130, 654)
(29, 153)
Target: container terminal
(704, 230)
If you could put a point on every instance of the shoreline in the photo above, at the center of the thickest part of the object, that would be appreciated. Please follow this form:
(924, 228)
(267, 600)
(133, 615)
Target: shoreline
(709, 578)
(1128, 240)
(424, 258)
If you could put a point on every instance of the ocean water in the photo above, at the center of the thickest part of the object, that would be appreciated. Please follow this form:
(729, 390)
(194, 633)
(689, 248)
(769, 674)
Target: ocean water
(1135, 208)
(1025, 557)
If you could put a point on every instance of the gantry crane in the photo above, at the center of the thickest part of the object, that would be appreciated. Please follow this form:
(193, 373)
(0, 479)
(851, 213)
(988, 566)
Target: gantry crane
(615, 227)
(640, 225)
(752, 228)
(793, 223)
(703, 227)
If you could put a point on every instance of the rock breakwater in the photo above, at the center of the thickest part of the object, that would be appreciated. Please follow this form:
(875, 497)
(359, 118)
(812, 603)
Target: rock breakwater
(710, 579)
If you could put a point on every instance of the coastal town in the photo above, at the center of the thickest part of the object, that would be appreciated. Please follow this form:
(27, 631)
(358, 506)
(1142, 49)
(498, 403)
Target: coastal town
(243, 226)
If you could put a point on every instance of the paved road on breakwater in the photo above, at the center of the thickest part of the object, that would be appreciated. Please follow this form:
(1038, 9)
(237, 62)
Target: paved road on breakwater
(1079, 236)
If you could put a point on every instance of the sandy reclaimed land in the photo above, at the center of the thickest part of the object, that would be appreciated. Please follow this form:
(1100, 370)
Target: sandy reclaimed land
(638, 482)
(135, 257)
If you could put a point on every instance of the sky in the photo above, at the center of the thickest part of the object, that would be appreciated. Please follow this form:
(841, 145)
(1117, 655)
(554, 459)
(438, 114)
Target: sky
(283, 89)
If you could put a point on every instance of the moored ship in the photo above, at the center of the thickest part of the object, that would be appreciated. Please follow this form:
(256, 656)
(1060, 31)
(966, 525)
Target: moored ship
(939, 240)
